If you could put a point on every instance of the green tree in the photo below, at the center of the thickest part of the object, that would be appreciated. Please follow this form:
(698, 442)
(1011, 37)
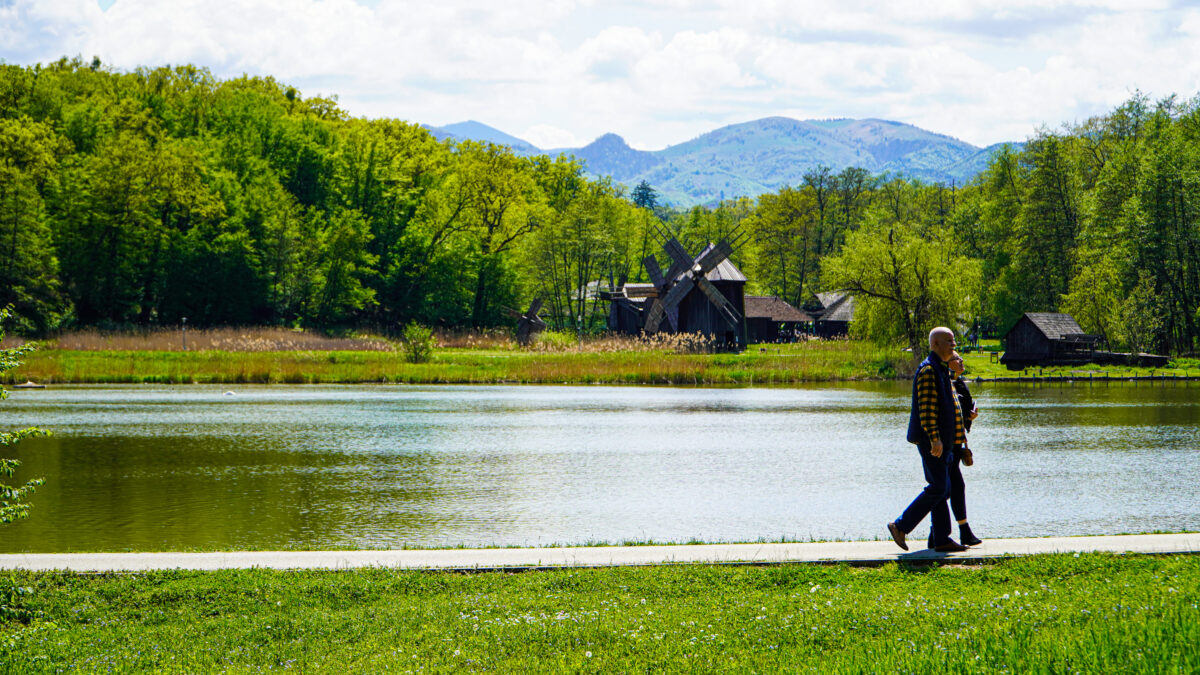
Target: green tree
(903, 285)
(644, 196)
(29, 156)
(1095, 296)
(1142, 315)
(13, 504)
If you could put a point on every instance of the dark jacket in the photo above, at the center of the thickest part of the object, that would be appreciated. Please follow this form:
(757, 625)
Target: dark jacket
(965, 401)
(946, 413)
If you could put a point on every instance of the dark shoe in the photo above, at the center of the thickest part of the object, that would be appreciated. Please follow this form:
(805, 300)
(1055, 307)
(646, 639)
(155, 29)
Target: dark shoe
(950, 546)
(967, 536)
(897, 535)
(968, 459)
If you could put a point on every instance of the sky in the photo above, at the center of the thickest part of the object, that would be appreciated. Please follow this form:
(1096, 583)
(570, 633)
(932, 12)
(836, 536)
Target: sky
(559, 73)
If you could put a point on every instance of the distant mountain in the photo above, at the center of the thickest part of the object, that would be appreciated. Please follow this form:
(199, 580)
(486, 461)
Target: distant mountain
(478, 131)
(751, 158)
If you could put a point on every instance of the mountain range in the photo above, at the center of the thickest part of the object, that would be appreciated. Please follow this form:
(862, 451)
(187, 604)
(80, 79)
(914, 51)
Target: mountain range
(748, 159)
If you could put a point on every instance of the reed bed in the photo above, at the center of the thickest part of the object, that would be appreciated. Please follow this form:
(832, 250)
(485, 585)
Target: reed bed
(254, 339)
(784, 364)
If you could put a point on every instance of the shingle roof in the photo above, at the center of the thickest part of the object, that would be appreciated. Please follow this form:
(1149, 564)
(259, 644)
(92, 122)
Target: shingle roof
(724, 271)
(839, 306)
(773, 308)
(1054, 325)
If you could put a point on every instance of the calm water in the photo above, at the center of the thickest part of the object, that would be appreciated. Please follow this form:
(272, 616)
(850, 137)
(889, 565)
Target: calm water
(156, 468)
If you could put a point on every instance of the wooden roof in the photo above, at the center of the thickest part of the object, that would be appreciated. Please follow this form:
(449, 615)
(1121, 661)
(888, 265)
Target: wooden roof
(1055, 325)
(773, 308)
(725, 271)
(837, 306)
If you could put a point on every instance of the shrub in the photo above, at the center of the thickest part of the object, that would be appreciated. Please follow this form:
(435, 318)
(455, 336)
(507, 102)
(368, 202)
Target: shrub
(418, 343)
(12, 498)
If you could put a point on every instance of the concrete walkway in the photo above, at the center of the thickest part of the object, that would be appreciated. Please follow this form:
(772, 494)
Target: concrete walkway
(854, 553)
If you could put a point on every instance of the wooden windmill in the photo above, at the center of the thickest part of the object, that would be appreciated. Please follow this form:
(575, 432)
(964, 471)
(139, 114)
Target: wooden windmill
(529, 324)
(698, 294)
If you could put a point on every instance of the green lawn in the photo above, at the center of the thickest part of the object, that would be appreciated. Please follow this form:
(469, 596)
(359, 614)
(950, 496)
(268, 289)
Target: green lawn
(1092, 613)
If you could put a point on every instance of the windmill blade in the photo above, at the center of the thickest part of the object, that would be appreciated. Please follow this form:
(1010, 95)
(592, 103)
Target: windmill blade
(653, 316)
(534, 307)
(678, 253)
(715, 256)
(673, 318)
(654, 271)
(678, 292)
(722, 304)
(512, 312)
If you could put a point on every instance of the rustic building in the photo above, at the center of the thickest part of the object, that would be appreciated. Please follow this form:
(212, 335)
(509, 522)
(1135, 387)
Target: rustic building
(1047, 338)
(834, 310)
(771, 319)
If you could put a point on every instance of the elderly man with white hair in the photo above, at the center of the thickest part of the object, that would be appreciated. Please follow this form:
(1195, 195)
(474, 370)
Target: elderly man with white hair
(936, 427)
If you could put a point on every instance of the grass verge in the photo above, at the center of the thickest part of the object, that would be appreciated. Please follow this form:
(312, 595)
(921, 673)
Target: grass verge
(815, 361)
(1058, 613)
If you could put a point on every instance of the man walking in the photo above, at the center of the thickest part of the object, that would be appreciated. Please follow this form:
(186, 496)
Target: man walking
(935, 426)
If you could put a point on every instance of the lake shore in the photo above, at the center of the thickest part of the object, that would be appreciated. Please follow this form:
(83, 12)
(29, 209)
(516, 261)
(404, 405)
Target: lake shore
(1091, 613)
(809, 362)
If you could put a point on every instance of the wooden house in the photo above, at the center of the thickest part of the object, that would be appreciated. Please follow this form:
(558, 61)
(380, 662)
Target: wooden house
(834, 310)
(1047, 338)
(771, 319)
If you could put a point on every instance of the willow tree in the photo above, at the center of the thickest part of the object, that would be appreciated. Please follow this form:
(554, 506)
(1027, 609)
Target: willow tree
(903, 283)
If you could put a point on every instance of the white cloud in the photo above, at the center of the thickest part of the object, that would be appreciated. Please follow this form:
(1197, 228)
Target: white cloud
(562, 72)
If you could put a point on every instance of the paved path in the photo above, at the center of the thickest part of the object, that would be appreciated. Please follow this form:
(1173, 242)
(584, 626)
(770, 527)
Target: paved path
(854, 552)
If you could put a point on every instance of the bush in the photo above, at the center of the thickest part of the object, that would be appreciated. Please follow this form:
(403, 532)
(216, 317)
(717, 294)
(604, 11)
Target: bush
(555, 341)
(418, 343)
(12, 498)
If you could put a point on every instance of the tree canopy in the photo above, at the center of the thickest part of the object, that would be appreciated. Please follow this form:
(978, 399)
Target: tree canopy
(140, 198)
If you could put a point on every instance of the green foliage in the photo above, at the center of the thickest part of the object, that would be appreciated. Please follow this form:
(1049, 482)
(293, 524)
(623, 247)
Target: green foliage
(904, 283)
(556, 340)
(140, 198)
(1095, 297)
(13, 504)
(1141, 315)
(418, 343)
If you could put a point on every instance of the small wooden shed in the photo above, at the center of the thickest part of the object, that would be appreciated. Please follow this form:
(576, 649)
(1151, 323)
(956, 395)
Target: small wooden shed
(1047, 338)
(771, 319)
(834, 311)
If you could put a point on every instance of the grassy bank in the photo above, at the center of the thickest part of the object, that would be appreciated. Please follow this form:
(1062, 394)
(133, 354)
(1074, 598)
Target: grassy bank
(807, 362)
(598, 363)
(981, 365)
(1092, 613)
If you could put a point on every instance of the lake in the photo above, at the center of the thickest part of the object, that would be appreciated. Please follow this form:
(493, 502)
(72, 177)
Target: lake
(180, 467)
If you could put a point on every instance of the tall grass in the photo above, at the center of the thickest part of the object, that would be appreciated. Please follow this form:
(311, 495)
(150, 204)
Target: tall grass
(1088, 614)
(254, 339)
(646, 364)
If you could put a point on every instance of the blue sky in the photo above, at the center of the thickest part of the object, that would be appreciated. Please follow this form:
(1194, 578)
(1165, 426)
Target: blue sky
(657, 72)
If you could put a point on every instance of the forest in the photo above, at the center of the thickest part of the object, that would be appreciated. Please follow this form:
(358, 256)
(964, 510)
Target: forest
(139, 199)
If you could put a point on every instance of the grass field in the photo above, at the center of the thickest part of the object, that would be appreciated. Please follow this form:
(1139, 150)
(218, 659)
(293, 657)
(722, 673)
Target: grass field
(776, 364)
(271, 355)
(1092, 614)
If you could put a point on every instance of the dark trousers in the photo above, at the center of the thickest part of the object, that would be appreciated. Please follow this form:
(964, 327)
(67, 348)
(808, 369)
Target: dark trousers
(958, 492)
(932, 500)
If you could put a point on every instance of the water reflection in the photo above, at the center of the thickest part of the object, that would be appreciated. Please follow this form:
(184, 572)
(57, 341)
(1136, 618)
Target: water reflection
(155, 468)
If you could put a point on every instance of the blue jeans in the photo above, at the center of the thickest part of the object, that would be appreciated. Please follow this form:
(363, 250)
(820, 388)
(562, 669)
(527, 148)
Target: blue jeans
(932, 500)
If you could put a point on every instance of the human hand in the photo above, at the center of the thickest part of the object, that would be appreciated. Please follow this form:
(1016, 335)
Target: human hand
(936, 450)
(973, 414)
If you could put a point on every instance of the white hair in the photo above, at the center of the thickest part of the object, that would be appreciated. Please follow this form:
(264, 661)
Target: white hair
(940, 330)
